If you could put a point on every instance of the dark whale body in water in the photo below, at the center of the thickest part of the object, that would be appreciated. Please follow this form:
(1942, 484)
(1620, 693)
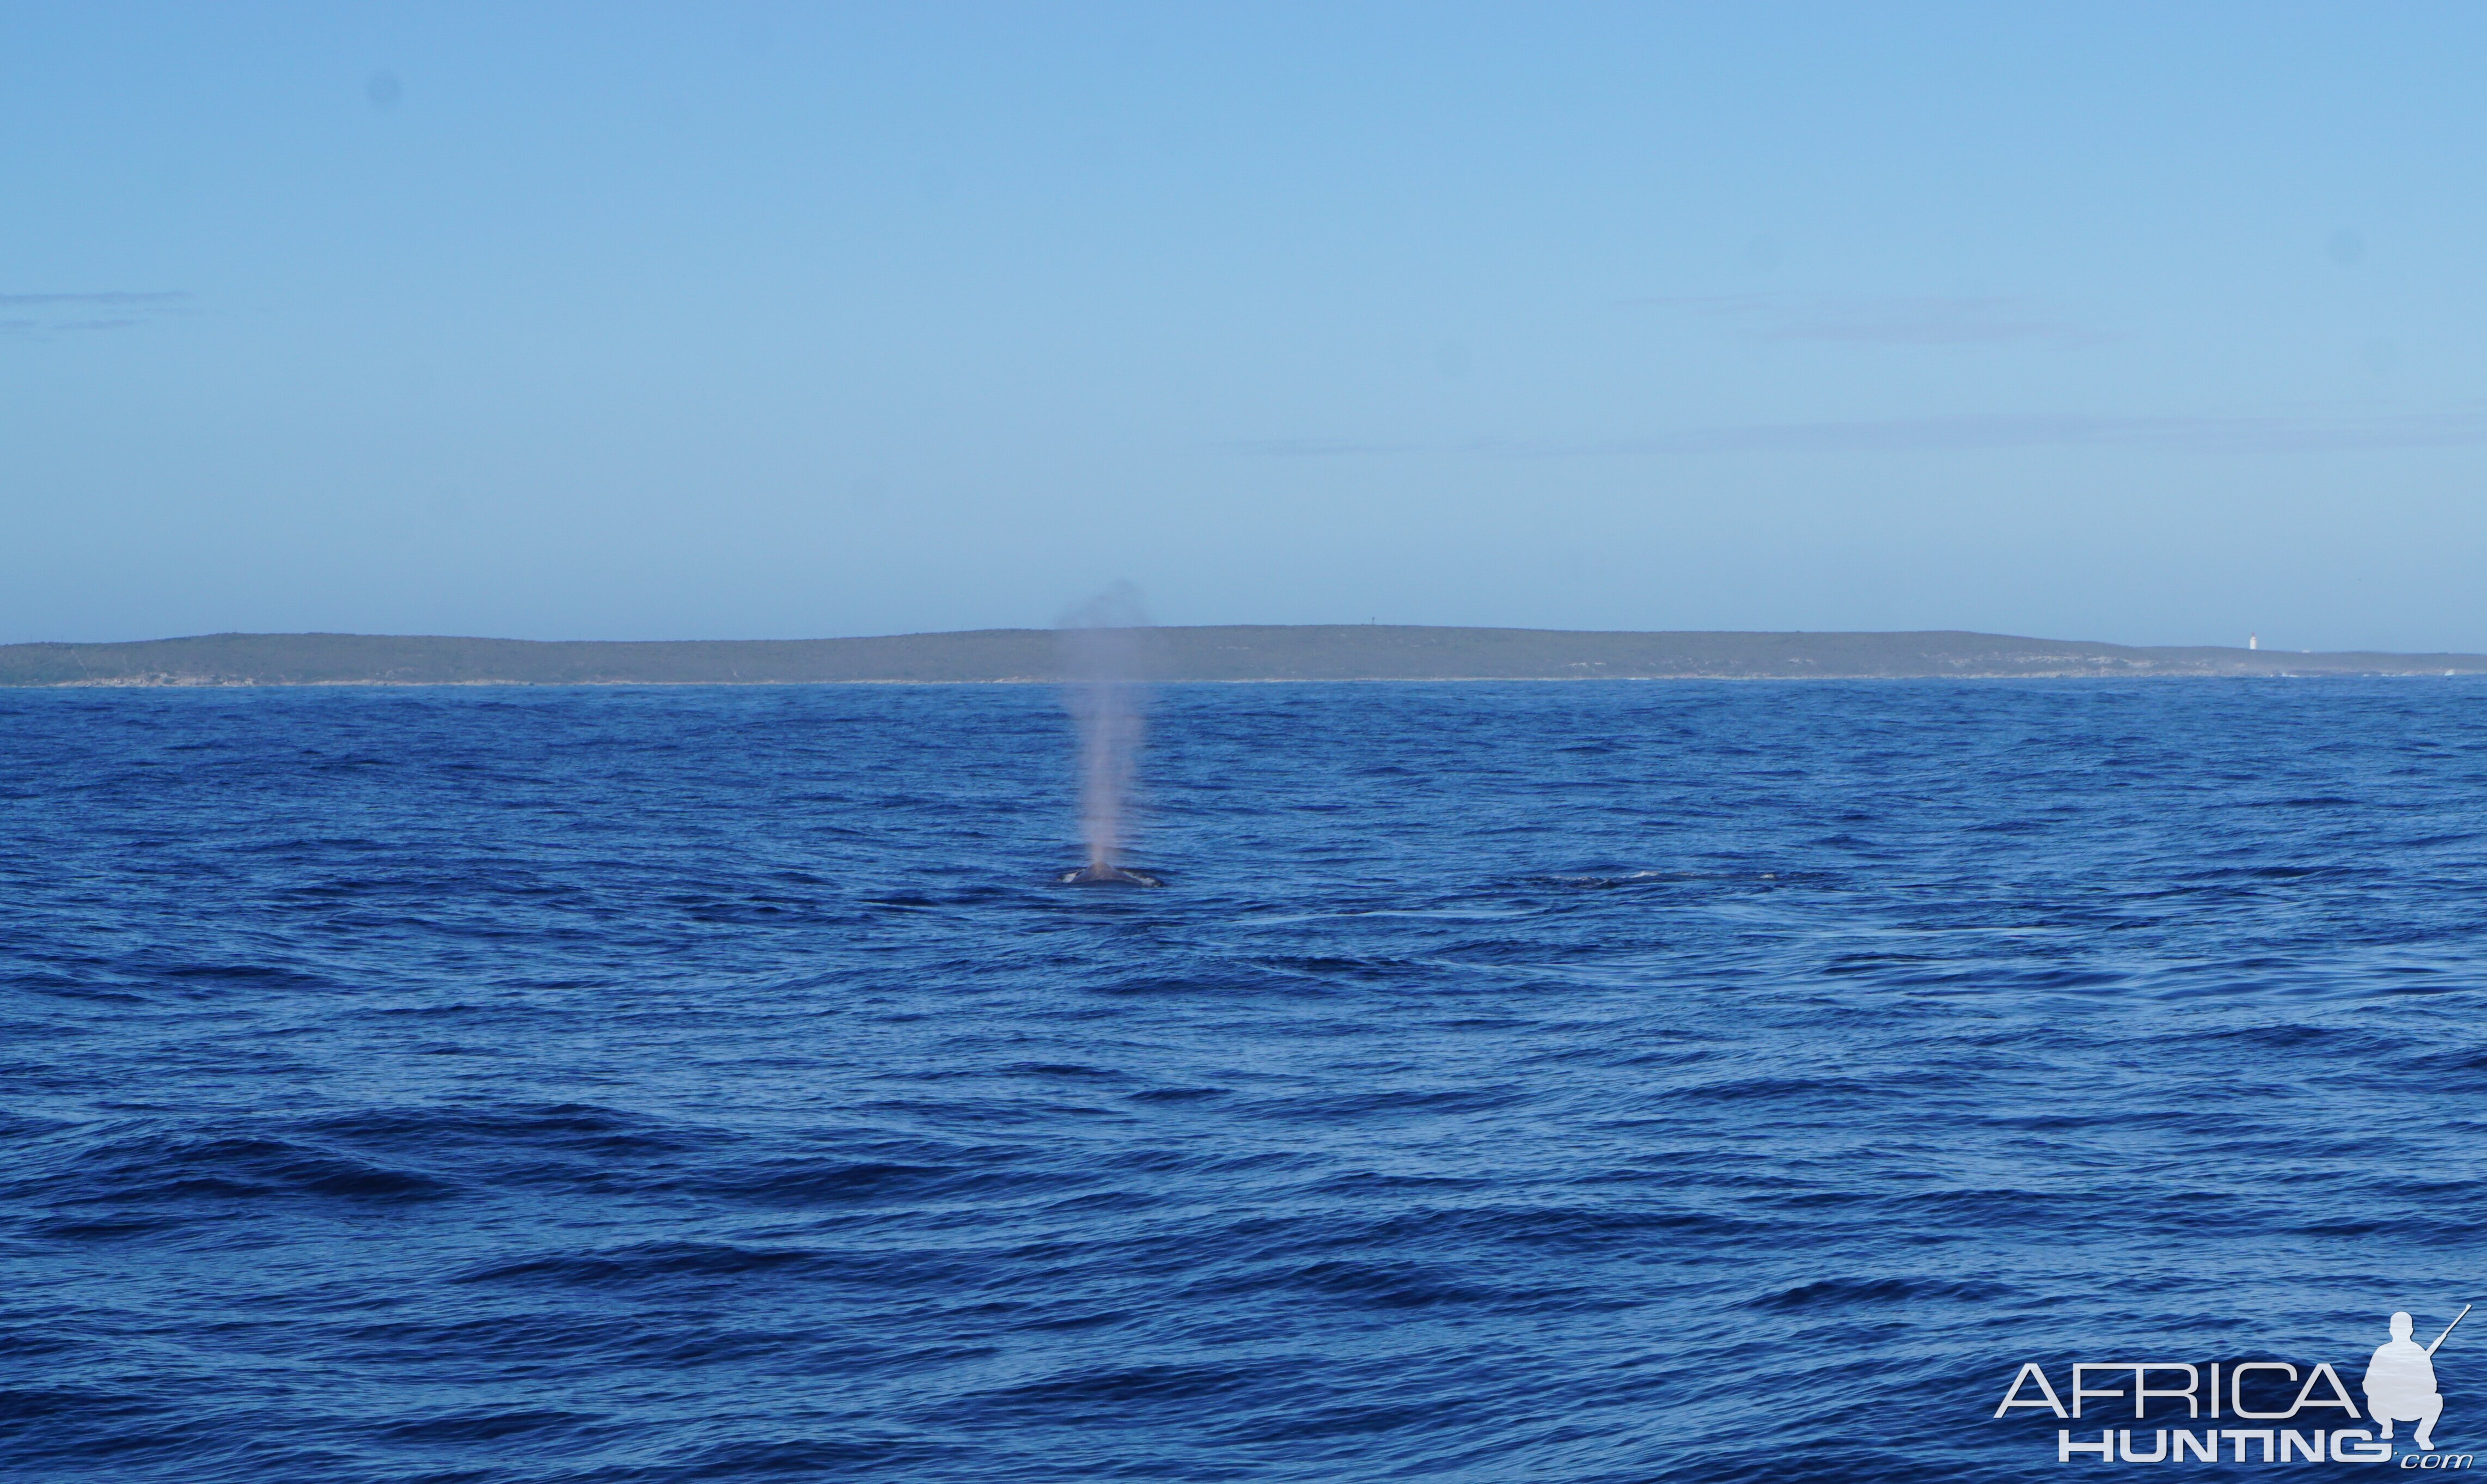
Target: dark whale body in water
(1106, 876)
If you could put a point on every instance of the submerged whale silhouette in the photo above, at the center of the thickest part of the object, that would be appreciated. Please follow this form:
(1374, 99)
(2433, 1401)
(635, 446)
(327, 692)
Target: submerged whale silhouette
(1101, 875)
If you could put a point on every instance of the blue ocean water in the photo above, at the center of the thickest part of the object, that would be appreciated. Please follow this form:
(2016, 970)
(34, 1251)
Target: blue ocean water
(1599, 1081)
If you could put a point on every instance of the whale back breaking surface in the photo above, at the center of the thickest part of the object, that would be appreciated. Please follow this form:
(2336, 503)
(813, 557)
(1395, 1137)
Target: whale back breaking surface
(1106, 876)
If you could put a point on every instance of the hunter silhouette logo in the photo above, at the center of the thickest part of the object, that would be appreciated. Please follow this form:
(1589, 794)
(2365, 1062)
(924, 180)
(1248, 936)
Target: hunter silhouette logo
(2398, 1385)
(2400, 1381)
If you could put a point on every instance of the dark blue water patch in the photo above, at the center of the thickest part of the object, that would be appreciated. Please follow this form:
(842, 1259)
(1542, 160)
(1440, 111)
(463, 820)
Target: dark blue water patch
(1611, 1083)
(656, 1263)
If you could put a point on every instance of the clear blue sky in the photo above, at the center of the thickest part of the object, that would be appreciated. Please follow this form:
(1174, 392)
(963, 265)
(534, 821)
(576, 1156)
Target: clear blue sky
(2147, 323)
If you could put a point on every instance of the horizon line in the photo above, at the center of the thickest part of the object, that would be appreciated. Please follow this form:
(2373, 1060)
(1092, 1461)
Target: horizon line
(1032, 629)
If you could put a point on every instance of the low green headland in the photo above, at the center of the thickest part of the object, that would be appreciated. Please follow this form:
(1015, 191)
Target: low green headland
(1302, 652)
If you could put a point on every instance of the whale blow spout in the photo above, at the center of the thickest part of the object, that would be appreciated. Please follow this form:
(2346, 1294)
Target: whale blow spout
(1101, 653)
(1099, 874)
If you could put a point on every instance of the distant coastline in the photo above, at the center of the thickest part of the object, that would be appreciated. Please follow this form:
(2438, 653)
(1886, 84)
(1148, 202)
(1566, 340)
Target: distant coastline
(1241, 653)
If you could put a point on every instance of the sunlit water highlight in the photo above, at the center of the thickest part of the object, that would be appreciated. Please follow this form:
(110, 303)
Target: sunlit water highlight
(1552, 1082)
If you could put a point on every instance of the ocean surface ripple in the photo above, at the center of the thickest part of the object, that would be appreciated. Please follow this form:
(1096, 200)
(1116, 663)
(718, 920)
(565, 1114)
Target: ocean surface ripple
(1555, 1083)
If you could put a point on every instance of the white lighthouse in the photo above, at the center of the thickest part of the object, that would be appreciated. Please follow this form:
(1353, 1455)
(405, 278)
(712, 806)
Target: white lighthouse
(2253, 641)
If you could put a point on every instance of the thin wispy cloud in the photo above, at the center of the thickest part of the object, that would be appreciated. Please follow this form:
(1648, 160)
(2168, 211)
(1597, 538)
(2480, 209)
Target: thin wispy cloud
(165, 296)
(2458, 427)
(2282, 433)
(1880, 320)
(55, 313)
(1320, 448)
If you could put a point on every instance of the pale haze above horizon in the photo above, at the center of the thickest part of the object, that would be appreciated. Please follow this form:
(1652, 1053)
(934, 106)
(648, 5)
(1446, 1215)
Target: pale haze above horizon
(2144, 324)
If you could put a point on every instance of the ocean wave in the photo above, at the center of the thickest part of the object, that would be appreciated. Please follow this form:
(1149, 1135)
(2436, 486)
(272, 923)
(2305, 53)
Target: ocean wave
(1561, 1084)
